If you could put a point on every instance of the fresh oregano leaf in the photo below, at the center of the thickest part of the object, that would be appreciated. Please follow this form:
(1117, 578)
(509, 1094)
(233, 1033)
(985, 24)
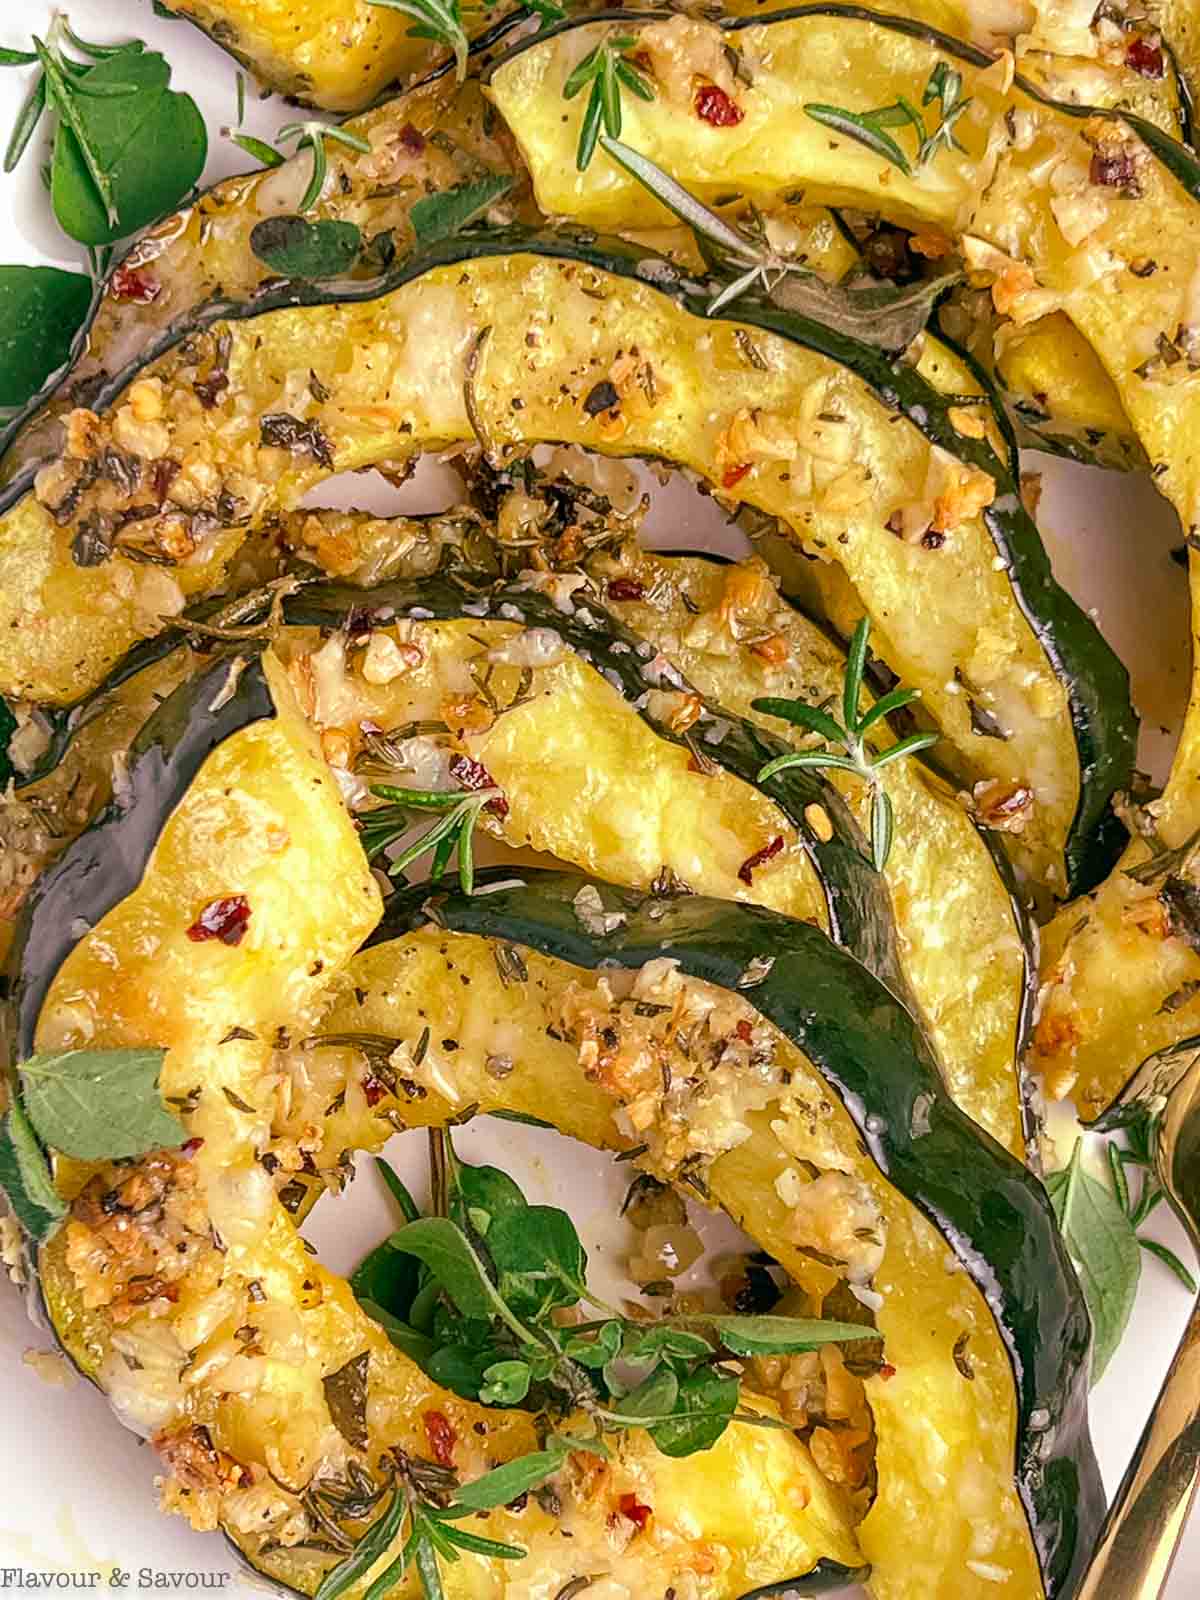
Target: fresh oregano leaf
(539, 1257)
(1103, 1246)
(41, 310)
(25, 1177)
(461, 1368)
(503, 1484)
(451, 1258)
(481, 1194)
(440, 216)
(655, 1396)
(597, 1351)
(100, 1105)
(346, 1397)
(758, 1336)
(405, 1337)
(296, 248)
(150, 143)
(389, 1278)
(505, 1383)
(668, 1341)
(705, 1403)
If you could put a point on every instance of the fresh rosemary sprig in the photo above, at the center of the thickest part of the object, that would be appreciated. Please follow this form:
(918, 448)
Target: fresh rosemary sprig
(453, 830)
(885, 315)
(315, 135)
(870, 127)
(435, 19)
(608, 70)
(858, 758)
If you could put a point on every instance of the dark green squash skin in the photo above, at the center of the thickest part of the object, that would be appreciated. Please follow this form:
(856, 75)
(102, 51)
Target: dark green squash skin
(993, 1214)
(1097, 683)
(105, 863)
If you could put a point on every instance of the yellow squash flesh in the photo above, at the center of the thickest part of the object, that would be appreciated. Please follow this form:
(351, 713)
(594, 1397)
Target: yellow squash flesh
(263, 1322)
(946, 1523)
(396, 371)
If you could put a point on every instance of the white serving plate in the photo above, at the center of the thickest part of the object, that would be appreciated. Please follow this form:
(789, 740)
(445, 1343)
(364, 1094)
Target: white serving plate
(76, 1491)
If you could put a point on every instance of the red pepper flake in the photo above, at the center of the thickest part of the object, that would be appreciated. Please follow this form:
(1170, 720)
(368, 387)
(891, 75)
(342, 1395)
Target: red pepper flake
(439, 1430)
(474, 775)
(189, 1147)
(1145, 58)
(746, 870)
(132, 285)
(412, 139)
(887, 1372)
(734, 475)
(745, 1030)
(715, 107)
(374, 1089)
(630, 1506)
(1112, 169)
(225, 919)
(626, 589)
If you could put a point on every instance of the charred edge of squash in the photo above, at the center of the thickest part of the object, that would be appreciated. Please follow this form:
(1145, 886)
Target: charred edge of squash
(1096, 682)
(15, 424)
(105, 863)
(997, 1221)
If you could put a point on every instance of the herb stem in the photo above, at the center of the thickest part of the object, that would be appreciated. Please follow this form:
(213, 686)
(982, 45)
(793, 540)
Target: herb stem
(58, 95)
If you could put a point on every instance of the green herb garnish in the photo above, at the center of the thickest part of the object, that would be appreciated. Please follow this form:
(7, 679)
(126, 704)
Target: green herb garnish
(439, 216)
(870, 127)
(608, 70)
(478, 1315)
(453, 831)
(41, 309)
(296, 248)
(858, 758)
(316, 135)
(99, 1105)
(435, 19)
(883, 314)
(112, 108)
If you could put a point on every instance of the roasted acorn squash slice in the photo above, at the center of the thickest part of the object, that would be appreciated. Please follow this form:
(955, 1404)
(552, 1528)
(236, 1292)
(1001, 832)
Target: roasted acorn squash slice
(947, 1520)
(236, 796)
(493, 341)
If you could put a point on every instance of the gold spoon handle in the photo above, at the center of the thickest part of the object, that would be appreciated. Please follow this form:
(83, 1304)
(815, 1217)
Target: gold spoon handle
(1146, 1520)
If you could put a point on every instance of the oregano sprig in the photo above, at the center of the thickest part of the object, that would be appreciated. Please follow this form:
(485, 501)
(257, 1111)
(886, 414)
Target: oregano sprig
(870, 128)
(608, 71)
(1139, 1154)
(849, 736)
(112, 107)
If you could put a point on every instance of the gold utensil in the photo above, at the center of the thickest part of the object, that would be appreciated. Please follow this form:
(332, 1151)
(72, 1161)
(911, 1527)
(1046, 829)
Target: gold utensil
(1146, 1520)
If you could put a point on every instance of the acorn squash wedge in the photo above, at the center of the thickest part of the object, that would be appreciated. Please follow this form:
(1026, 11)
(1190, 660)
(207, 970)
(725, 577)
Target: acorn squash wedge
(341, 55)
(570, 734)
(437, 135)
(947, 1519)
(182, 1251)
(507, 316)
